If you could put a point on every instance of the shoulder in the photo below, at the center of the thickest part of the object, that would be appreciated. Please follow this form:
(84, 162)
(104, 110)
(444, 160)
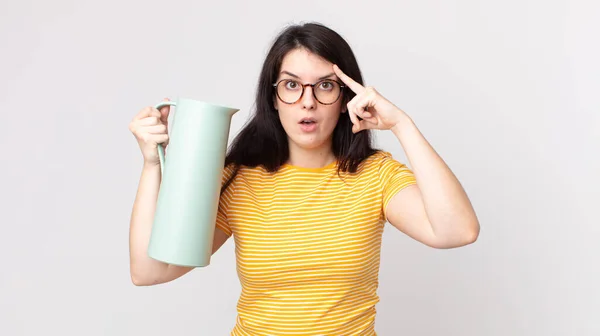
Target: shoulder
(231, 171)
(383, 167)
(228, 171)
(379, 160)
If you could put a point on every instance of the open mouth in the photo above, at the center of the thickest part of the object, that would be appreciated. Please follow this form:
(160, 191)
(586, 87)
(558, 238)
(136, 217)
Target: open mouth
(308, 125)
(307, 121)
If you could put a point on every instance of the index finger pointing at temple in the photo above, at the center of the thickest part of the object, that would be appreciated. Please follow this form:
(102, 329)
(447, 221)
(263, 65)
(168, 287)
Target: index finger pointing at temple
(354, 86)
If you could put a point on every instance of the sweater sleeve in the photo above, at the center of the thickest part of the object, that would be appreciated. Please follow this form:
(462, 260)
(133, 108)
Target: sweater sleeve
(393, 176)
(224, 202)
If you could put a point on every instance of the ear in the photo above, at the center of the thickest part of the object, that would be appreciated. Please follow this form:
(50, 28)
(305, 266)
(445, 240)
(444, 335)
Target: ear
(344, 105)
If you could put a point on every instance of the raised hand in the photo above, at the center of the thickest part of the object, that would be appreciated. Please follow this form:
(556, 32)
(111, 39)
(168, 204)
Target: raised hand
(376, 111)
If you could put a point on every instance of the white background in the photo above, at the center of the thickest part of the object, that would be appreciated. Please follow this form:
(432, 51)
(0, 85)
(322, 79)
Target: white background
(506, 91)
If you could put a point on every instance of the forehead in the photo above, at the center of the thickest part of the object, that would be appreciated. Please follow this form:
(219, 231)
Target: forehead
(305, 64)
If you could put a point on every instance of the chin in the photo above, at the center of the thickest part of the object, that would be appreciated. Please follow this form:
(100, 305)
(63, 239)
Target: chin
(308, 142)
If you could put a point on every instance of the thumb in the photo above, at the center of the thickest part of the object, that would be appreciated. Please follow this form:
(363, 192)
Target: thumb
(363, 125)
(164, 113)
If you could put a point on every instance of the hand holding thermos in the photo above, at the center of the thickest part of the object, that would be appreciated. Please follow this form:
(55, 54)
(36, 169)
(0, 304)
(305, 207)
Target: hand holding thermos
(187, 199)
(150, 127)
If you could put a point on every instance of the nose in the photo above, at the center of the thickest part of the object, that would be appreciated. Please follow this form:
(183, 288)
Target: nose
(308, 100)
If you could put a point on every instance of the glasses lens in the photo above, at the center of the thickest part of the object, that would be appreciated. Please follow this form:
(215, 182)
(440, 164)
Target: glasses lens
(289, 90)
(327, 91)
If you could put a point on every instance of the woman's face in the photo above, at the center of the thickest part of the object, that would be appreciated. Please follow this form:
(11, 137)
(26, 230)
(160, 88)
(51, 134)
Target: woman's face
(308, 123)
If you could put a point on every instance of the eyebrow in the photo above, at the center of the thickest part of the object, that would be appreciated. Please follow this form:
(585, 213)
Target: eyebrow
(295, 76)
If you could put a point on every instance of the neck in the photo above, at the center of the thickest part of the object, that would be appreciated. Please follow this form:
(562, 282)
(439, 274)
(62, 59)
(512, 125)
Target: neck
(311, 158)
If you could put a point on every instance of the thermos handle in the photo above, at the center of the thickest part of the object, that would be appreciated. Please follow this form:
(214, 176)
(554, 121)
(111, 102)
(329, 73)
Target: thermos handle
(161, 148)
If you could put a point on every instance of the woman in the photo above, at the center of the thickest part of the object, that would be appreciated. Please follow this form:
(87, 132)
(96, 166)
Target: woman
(306, 197)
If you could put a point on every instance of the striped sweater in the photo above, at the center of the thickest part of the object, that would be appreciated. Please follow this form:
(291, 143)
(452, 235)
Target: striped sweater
(307, 245)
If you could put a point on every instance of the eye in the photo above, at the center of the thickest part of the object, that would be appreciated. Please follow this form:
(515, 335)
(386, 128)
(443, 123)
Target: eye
(326, 85)
(291, 85)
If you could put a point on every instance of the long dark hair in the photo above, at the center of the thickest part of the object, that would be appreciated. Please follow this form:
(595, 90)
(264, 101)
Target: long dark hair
(263, 141)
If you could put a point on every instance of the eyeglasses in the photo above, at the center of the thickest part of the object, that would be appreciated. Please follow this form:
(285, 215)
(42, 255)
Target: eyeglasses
(326, 91)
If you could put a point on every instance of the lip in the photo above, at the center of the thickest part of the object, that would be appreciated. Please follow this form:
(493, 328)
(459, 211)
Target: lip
(307, 128)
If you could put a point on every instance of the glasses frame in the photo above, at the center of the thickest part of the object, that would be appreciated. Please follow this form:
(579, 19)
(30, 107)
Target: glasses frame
(342, 86)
